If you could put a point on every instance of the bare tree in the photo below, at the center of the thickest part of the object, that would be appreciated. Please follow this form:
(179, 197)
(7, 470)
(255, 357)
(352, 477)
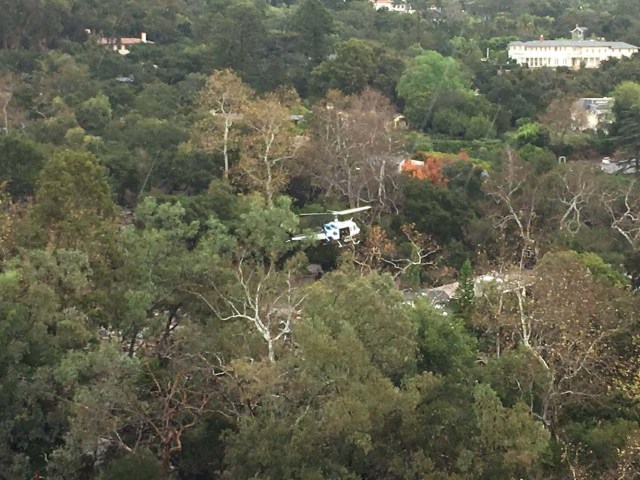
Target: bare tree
(514, 193)
(417, 251)
(353, 150)
(577, 188)
(624, 211)
(264, 298)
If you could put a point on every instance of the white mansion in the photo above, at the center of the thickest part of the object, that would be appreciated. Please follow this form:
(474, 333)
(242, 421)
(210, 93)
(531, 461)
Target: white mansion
(400, 6)
(575, 53)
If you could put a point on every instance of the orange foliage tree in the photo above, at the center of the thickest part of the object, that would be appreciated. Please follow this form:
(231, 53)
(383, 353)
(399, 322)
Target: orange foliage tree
(429, 165)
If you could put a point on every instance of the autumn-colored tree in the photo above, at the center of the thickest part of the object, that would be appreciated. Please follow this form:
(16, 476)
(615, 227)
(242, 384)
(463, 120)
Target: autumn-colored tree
(567, 338)
(268, 146)
(429, 165)
(429, 169)
(375, 246)
(222, 102)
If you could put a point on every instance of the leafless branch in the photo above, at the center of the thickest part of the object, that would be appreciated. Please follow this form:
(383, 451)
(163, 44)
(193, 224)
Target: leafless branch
(625, 214)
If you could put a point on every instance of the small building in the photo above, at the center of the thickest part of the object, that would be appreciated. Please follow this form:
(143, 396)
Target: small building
(410, 166)
(122, 45)
(578, 33)
(620, 166)
(575, 53)
(592, 113)
(502, 283)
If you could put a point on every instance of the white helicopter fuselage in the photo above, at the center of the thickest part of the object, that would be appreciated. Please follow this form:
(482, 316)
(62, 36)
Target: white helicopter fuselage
(339, 231)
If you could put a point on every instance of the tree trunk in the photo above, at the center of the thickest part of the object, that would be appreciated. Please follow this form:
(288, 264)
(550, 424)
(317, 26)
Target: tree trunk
(132, 344)
(5, 107)
(166, 457)
(272, 353)
(225, 147)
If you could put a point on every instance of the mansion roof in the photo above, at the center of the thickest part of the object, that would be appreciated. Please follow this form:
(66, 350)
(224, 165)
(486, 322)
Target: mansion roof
(572, 43)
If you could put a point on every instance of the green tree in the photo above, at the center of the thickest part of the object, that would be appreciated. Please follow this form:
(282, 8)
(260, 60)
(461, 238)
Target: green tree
(449, 211)
(241, 38)
(533, 134)
(257, 293)
(361, 308)
(42, 319)
(541, 159)
(626, 109)
(350, 71)
(62, 75)
(32, 24)
(162, 393)
(331, 423)
(94, 114)
(444, 346)
(358, 64)
(512, 439)
(479, 127)
(450, 122)
(314, 25)
(158, 100)
(576, 351)
(626, 95)
(155, 144)
(74, 204)
(140, 466)
(465, 294)
(429, 76)
(20, 162)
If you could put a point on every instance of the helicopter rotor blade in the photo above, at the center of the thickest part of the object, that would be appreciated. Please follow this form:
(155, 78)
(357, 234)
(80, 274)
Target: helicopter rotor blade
(351, 210)
(313, 214)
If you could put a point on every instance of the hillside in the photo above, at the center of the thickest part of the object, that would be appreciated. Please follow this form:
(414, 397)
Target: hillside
(160, 320)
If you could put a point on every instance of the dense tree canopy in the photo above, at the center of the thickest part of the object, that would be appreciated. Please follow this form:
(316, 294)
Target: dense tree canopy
(157, 320)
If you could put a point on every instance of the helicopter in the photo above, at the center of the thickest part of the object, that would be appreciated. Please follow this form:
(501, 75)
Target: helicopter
(340, 232)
